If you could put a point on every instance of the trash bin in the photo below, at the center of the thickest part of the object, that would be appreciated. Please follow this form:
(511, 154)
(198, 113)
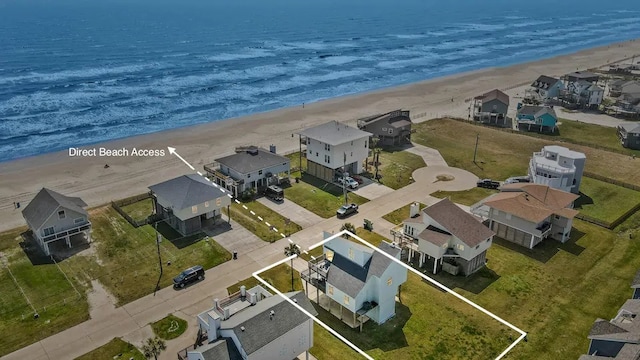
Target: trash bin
(235, 255)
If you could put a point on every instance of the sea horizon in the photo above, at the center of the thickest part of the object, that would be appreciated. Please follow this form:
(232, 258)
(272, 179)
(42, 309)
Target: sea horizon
(73, 86)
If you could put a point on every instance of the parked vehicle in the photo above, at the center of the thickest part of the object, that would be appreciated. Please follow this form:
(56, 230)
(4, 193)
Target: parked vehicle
(190, 275)
(351, 183)
(517, 179)
(488, 184)
(346, 210)
(274, 193)
(358, 179)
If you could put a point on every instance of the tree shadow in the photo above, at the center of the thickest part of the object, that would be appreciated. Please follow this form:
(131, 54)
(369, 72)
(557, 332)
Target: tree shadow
(547, 249)
(386, 337)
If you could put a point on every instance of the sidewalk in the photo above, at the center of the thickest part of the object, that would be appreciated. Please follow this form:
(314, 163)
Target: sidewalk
(132, 317)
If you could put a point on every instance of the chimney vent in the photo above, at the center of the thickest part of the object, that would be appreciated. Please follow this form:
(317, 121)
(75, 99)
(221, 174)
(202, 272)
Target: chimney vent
(272, 314)
(242, 328)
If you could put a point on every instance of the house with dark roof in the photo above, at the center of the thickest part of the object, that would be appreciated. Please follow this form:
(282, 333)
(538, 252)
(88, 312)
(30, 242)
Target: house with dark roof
(622, 86)
(357, 283)
(57, 221)
(332, 147)
(249, 168)
(582, 93)
(188, 203)
(629, 135)
(391, 129)
(491, 107)
(253, 324)
(448, 238)
(536, 118)
(526, 214)
(618, 338)
(576, 76)
(544, 88)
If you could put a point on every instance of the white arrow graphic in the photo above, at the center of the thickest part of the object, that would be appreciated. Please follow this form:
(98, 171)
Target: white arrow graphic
(172, 150)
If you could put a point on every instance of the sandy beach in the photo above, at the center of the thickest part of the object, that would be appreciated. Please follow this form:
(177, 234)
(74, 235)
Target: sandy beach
(88, 178)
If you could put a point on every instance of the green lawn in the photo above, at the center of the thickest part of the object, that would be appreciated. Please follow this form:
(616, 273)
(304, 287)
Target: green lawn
(396, 167)
(169, 327)
(259, 228)
(502, 154)
(397, 216)
(319, 197)
(465, 197)
(295, 161)
(114, 349)
(604, 136)
(126, 259)
(139, 210)
(57, 303)
(604, 201)
(279, 277)
(554, 292)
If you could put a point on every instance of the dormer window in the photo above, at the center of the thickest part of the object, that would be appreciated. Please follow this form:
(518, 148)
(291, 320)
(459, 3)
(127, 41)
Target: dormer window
(61, 214)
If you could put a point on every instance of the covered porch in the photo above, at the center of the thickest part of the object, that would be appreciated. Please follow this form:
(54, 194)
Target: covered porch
(82, 233)
(353, 319)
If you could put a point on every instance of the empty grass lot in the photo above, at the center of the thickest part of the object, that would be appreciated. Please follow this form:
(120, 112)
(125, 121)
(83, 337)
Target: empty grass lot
(279, 277)
(466, 197)
(502, 154)
(397, 216)
(139, 210)
(319, 197)
(114, 349)
(396, 167)
(604, 201)
(54, 298)
(603, 136)
(259, 228)
(554, 292)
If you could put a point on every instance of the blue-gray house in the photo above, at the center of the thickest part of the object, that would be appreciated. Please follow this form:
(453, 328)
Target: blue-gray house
(536, 118)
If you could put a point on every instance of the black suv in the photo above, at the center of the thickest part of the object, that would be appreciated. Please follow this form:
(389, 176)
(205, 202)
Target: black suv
(192, 274)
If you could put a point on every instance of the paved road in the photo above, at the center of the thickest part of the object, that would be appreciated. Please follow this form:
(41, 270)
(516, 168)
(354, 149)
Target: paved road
(130, 320)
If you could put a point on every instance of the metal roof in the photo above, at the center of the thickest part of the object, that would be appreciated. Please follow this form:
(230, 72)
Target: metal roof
(46, 202)
(334, 133)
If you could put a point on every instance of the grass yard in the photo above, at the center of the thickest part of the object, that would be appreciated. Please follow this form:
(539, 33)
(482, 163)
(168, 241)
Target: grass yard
(259, 228)
(397, 216)
(126, 259)
(169, 327)
(295, 161)
(502, 154)
(396, 167)
(604, 201)
(466, 197)
(319, 197)
(139, 210)
(114, 349)
(597, 135)
(57, 303)
(279, 277)
(554, 292)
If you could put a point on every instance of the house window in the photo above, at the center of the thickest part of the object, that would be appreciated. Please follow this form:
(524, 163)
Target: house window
(248, 176)
(194, 209)
(390, 131)
(365, 144)
(488, 240)
(206, 204)
(460, 247)
(346, 299)
(330, 290)
(352, 153)
(61, 214)
(48, 231)
(389, 281)
(384, 129)
(351, 254)
(317, 154)
(328, 158)
(259, 172)
(327, 147)
(557, 217)
(78, 220)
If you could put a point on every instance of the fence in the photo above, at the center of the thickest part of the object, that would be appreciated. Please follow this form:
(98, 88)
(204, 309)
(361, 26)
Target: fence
(117, 206)
(611, 181)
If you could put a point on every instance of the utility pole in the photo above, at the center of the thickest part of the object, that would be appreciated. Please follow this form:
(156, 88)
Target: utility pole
(300, 152)
(475, 152)
(344, 178)
(158, 240)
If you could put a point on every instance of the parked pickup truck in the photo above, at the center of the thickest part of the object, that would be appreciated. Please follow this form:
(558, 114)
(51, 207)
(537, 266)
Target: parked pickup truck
(488, 184)
(346, 210)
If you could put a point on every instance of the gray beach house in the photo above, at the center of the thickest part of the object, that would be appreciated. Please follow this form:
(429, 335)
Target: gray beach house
(629, 135)
(57, 220)
(491, 107)
(188, 203)
(391, 129)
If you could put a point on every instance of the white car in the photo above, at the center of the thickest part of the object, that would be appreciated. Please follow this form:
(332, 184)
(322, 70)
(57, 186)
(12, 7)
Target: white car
(351, 183)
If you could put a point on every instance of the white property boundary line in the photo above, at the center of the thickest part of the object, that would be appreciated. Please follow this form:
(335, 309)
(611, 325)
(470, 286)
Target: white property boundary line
(354, 347)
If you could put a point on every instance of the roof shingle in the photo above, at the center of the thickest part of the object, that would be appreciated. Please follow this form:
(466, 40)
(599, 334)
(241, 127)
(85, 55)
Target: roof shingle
(458, 222)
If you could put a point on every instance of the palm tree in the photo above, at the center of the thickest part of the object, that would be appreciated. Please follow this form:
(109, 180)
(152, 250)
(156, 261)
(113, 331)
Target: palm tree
(153, 347)
(292, 249)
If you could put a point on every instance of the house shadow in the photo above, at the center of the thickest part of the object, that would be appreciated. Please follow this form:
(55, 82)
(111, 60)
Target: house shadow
(584, 199)
(547, 249)
(332, 189)
(386, 337)
(474, 283)
(176, 238)
(59, 250)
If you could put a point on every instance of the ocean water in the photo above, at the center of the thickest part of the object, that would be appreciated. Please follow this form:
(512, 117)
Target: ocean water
(76, 72)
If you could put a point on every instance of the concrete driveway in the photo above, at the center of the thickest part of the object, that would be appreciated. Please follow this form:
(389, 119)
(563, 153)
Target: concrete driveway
(370, 189)
(431, 156)
(293, 211)
(234, 237)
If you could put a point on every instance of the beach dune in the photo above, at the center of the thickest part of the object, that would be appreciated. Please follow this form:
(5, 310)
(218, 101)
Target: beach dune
(96, 184)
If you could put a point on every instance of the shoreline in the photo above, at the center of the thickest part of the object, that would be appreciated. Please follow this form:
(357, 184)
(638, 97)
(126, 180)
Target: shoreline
(201, 143)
